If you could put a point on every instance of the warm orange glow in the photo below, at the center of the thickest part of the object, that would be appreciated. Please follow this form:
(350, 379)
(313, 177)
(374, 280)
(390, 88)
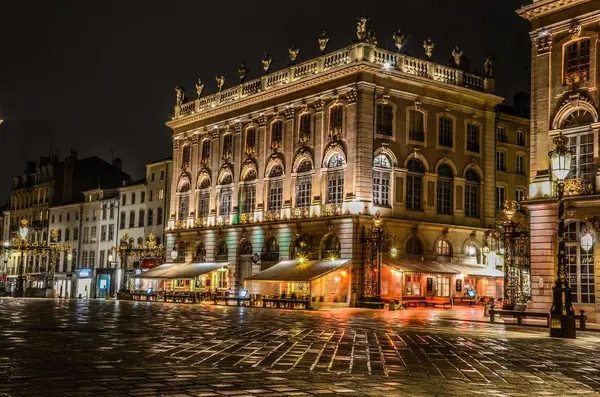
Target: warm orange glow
(344, 273)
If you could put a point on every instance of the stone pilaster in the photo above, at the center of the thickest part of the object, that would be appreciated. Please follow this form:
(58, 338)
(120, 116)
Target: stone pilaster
(362, 143)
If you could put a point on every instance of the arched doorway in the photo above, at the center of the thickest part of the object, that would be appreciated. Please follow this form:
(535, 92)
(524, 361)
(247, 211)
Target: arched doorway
(244, 265)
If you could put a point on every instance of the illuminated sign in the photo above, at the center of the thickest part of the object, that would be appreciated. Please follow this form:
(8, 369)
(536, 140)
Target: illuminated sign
(84, 273)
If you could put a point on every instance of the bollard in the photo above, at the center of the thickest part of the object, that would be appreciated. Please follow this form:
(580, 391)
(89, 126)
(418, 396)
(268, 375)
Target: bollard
(582, 320)
(486, 310)
(392, 305)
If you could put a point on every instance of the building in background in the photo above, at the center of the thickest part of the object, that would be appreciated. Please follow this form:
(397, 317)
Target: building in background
(294, 164)
(565, 99)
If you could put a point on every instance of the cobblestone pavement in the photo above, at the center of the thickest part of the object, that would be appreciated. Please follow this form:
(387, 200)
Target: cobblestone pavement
(97, 348)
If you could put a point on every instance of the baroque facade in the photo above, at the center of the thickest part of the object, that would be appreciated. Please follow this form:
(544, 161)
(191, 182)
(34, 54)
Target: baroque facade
(307, 155)
(565, 99)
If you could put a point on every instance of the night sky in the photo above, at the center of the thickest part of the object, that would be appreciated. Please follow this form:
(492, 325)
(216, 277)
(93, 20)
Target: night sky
(100, 75)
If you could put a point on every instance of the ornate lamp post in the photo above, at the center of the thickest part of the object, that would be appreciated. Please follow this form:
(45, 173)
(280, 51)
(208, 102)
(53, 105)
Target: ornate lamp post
(375, 241)
(562, 315)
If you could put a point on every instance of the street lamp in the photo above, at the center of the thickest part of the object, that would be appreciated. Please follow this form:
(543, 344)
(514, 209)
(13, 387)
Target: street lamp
(562, 315)
(23, 231)
(374, 242)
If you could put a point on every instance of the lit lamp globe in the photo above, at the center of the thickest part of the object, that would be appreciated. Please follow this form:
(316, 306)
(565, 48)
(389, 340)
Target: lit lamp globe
(69, 257)
(394, 252)
(111, 258)
(560, 158)
(23, 229)
(174, 254)
(587, 242)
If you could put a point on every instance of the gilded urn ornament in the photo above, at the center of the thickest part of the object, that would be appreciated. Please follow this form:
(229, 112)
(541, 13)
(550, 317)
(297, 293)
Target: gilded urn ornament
(428, 45)
(220, 82)
(323, 40)
(457, 55)
(266, 62)
(199, 88)
(294, 51)
(179, 95)
(243, 71)
(399, 39)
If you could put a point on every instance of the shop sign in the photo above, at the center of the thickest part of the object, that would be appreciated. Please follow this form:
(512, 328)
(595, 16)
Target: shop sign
(84, 273)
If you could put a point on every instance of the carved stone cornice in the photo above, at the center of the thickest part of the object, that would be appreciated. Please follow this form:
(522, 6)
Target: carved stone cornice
(543, 7)
(176, 144)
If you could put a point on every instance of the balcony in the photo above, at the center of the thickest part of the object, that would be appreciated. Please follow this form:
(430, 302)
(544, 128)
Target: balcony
(578, 187)
(346, 57)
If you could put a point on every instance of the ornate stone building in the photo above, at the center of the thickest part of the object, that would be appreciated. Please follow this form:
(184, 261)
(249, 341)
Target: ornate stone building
(306, 155)
(565, 99)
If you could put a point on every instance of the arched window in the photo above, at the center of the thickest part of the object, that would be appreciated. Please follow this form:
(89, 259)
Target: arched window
(381, 180)
(337, 160)
(205, 184)
(183, 187)
(443, 248)
(335, 179)
(414, 185)
(331, 247)
(222, 252)
(305, 166)
(580, 262)
(471, 251)
(414, 246)
(276, 134)
(578, 117)
(305, 125)
(199, 252)
(302, 246)
(472, 187)
(385, 119)
(250, 140)
(250, 175)
(227, 179)
(185, 158)
(276, 171)
(270, 251)
(444, 189)
(246, 248)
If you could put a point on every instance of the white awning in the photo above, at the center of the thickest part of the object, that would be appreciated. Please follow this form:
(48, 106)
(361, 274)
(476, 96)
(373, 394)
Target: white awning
(182, 270)
(296, 271)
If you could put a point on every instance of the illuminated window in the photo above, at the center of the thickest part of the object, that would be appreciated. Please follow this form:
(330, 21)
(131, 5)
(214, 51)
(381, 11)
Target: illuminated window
(580, 264)
(381, 180)
(335, 187)
(582, 161)
(275, 195)
(445, 186)
(277, 133)
(472, 187)
(414, 185)
(203, 204)
(305, 125)
(249, 198)
(303, 191)
(577, 61)
(443, 248)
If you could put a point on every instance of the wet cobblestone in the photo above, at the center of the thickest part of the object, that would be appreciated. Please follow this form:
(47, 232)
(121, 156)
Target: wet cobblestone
(97, 348)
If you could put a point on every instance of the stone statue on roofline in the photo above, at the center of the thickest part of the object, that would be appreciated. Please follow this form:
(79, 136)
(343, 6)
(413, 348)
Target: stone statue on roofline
(199, 87)
(179, 96)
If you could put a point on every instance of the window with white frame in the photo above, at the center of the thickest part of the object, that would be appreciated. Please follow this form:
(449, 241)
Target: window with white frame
(580, 264)
(203, 204)
(276, 133)
(472, 187)
(445, 187)
(385, 119)
(521, 138)
(225, 202)
(577, 61)
(381, 180)
(303, 191)
(305, 125)
(473, 137)
(184, 207)
(416, 126)
(275, 195)
(500, 197)
(414, 185)
(501, 134)
(249, 197)
(250, 140)
(443, 248)
(582, 160)
(520, 164)
(445, 133)
(335, 187)
(500, 160)
(519, 196)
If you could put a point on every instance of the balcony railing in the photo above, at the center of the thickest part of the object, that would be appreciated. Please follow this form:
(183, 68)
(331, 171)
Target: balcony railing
(300, 212)
(201, 222)
(331, 209)
(337, 59)
(273, 215)
(578, 187)
(247, 217)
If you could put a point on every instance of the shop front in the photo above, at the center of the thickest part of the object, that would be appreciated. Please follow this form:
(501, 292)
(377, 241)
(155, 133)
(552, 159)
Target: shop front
(104, 283)
(63, 284)
(204, 277)
(406, 280)
(83, 283)
(322, 281)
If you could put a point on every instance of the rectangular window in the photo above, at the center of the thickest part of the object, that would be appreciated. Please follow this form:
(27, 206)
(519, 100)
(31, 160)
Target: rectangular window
(276, 134)
(161, 194)
(446, 132)
(335, 187)
(84, 257)
(520, 164)
(205, 150)
(385, 119)
(152, 177)
(577, 61)
(131, 219)
(227, 144)
(500, 161)
(204, 205)
(86, 234)
(101, 262)
(225, 203)
(75, 234)
(414, 189)
(473, 138)
(162, 174)
(141, 218)
(150, 220)
(381, 188)
(94, 234)
(150, 195)
(92, 259)
(249, 202)
(416, 129)
(184, 207)
(103, 233)
(305, 125)
(122, 220)
(132, 198)
(336, 117)
(519, 196)
(111, 213)
(104, 212)
(142, 197)
(501, 134)
(500, 197)
(303, 192)
(521, 138)
(159, 216)
(67, 235)
(444, 196)
(111, 232)
(275, 195)
(68, 216)
(472, 200)
(582, 161)
(250, 140)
